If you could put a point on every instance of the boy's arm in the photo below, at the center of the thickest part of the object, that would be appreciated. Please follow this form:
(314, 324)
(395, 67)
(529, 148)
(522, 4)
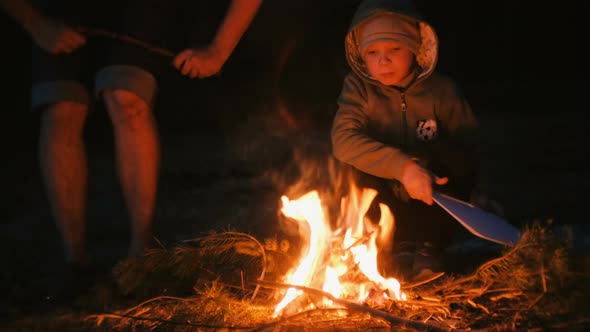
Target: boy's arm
(53, 36)
(206, 62)
(351, 143)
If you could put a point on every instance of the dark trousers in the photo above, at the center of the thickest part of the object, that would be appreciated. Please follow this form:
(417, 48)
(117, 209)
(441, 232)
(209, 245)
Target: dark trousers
(415, 221)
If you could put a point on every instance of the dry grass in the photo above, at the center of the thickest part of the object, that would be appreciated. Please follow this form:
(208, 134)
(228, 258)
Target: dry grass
(536, 285)
(210, 283)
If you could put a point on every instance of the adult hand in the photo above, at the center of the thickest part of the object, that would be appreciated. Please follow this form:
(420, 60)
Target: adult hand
(418, 182)
(55, 37)
(200, 63)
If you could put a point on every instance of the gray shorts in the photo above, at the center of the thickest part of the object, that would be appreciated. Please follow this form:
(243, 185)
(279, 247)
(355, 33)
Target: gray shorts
(126, 77)
(103, 62)
(107, 63)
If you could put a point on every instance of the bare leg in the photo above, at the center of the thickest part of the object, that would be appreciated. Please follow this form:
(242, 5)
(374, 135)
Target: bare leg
(138, 159)
(63, 166)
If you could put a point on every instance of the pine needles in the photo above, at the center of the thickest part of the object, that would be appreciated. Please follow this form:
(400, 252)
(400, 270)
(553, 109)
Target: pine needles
(536, 284)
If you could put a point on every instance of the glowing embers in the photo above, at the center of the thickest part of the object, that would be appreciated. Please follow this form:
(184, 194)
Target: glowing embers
(340, 261)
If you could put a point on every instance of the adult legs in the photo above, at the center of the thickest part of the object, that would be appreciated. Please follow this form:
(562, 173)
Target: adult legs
(63, 167)
(138, 158)
(126, 81)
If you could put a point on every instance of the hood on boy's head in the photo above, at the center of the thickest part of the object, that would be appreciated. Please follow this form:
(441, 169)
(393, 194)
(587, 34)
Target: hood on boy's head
(382, 27)
(397, 20)
(368, 8)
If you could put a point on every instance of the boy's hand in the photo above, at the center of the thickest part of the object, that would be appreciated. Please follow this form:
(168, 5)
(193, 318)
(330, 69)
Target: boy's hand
(200, 63)
(418, 182)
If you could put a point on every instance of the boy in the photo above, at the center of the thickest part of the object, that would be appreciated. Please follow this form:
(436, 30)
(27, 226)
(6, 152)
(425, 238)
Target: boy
(405, 127)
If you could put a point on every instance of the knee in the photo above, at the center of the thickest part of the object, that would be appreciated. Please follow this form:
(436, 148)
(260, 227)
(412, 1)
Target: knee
(126, 109)
(64, 118)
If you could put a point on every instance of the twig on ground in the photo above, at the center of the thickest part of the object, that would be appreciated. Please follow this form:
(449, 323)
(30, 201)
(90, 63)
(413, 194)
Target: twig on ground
(286, 318)
(358, 307)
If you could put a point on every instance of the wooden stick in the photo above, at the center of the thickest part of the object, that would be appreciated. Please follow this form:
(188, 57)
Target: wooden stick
(358, 307)
(125, 38)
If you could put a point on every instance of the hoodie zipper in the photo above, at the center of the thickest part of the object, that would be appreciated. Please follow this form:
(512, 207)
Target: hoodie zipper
(404, 121)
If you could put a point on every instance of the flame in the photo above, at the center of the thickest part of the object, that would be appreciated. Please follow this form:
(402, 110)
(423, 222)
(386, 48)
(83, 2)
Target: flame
(307, 209)
(333, 259)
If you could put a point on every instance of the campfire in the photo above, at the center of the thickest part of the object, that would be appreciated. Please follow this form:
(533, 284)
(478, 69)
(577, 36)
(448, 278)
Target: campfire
(341, 261)
(331, 280)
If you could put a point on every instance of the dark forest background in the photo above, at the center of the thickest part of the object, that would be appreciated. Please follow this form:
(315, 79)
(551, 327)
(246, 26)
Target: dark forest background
(523, 65)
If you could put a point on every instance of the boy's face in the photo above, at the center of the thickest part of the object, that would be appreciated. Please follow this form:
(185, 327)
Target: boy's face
(388, 62)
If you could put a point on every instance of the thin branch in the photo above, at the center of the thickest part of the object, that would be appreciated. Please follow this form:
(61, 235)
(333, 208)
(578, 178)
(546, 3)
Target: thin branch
(262, 253)
(180, 299)
(291, 317)
(544, 283)
(358, 307)
(167, 321)
(422, 282)
(125, 38)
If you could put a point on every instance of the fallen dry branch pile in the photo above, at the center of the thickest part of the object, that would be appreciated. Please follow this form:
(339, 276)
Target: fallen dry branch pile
(230, 281)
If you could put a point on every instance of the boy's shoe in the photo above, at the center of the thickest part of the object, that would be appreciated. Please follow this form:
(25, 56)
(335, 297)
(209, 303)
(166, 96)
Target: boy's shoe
(418, 262)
